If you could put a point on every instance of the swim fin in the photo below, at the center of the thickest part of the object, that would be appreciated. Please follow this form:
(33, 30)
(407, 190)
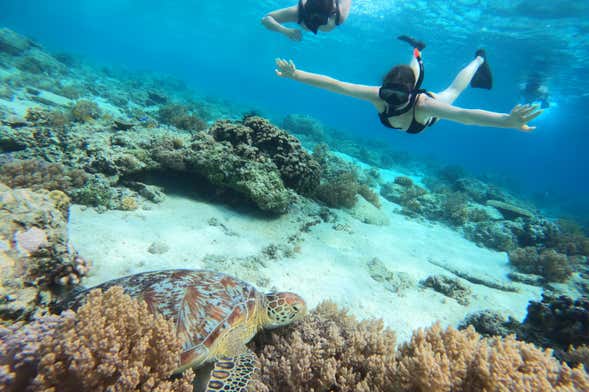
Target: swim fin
(413, 42)
(483, 77)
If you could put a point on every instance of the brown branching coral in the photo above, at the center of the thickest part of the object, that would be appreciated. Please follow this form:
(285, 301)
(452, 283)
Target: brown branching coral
(37, 174)
(366, 192)
(339, 191)
(111, 343)
(331, 351)
(550, 264)
(450, 360)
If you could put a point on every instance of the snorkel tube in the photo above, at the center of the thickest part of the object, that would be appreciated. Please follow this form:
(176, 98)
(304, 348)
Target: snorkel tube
(417, 55)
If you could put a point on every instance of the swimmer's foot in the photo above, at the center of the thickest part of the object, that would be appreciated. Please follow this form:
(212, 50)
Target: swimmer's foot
(412, 41)
(483, 77)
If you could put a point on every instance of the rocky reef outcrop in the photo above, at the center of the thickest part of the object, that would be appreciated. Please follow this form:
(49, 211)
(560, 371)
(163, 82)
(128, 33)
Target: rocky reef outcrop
(36, 258)
(252, 158)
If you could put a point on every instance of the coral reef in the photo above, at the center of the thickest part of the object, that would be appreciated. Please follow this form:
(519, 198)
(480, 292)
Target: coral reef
(111, 343)
(369, 195)
(553, 266)
(180, 117)
(35, 256)
(339, 191)
(493, 235)
(396, 282)
(489, 323)
(450, 287)
(510, 211)
(50, 118)
(340, 181)
(37, 174)
(450, 360)
(12, 43)
(331, 351)
(304, 125)
(257, 139)
(328, 351)
(576, 356)
(414, 199)
(557, 322)
(84, 111)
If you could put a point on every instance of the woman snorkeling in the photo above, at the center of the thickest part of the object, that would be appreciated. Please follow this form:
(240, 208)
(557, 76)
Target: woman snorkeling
(402, 104)
(312, 15)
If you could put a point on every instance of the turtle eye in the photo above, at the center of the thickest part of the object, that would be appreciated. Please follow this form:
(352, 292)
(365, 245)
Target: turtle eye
(296, 308)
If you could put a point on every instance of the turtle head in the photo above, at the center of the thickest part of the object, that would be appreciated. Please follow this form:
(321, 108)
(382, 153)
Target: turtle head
(283, 308)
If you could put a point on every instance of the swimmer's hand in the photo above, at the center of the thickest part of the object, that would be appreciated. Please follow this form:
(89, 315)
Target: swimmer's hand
(521, 115)
(285, 69)
(294, 34)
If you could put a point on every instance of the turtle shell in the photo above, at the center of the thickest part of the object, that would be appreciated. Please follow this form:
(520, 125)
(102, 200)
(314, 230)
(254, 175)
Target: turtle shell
(203, 304)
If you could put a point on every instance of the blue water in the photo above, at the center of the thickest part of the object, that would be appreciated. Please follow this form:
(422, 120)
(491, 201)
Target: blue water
(220, 48)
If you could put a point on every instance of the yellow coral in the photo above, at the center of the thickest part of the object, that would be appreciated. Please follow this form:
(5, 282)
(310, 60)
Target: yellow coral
(129, 203)
(112, 343)
(331, 351)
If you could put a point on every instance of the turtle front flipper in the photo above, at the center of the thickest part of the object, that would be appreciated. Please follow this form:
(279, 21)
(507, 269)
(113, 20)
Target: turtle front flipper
(232, 374)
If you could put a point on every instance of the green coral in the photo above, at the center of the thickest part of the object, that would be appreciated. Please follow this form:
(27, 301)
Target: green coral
(85, 111)
(339, 191)
(553, 266)
(96, 193)
(454, 208)
(256, 139)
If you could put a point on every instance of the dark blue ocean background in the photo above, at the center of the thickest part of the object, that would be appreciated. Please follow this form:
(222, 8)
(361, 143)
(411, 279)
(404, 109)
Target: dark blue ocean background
(220, 49)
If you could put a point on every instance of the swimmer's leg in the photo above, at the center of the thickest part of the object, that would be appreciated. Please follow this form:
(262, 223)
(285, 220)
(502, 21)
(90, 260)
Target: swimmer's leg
(461, 81)
(414, 67)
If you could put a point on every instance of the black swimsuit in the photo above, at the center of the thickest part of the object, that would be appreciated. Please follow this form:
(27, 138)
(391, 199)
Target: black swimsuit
(414, 127)
(301, 12)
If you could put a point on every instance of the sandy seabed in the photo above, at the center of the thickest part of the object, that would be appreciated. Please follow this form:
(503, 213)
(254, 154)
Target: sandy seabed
(327, 263)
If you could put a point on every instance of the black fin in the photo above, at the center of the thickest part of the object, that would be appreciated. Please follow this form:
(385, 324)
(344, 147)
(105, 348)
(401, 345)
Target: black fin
(412, 41)
(483, 77)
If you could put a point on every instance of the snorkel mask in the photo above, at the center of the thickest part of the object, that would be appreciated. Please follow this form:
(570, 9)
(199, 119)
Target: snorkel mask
(400, 97)
(395, 94)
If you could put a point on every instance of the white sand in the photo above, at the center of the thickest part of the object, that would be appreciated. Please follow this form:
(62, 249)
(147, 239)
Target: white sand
(329, 264)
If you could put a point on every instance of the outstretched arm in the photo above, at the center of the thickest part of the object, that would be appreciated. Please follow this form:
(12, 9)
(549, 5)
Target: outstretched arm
(287, 69)
(518, 119)
(275, 19)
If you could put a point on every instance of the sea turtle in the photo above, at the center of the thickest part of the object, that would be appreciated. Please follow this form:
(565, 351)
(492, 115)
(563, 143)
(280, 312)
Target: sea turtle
(215, 316)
